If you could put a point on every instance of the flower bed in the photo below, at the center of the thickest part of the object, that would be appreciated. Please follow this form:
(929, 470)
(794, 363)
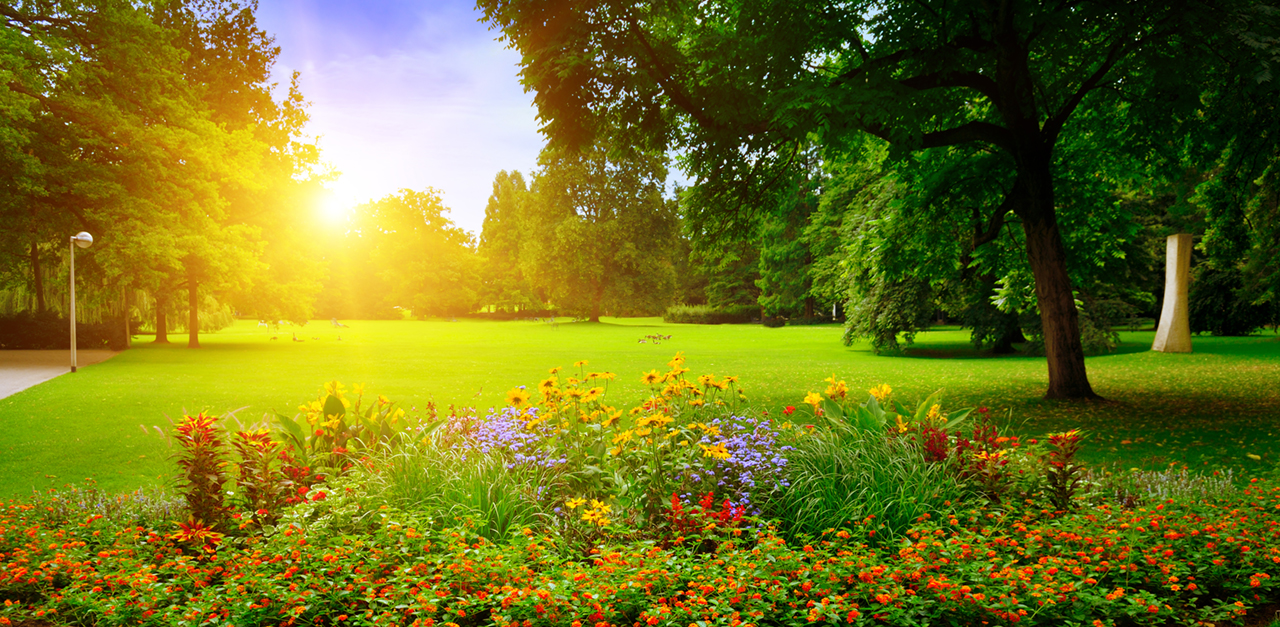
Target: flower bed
(685, 510)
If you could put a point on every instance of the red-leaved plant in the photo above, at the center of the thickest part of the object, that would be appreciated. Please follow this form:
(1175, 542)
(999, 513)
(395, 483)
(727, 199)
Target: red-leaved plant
(202, 460)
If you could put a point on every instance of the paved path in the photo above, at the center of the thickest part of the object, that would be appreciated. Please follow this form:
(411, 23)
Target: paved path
(20, 370)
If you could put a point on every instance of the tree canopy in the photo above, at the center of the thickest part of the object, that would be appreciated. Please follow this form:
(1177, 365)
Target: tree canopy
(744, 88)
(155, 127)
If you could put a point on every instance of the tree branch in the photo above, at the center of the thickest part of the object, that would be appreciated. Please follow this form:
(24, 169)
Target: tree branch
(973, 80)
(662, 74)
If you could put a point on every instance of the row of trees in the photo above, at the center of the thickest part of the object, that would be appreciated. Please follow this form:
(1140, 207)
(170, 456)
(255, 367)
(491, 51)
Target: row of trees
(154, 126)
(587, 234)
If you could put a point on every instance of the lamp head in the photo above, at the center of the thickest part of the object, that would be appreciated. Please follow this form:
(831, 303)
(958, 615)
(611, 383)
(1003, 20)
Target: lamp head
(82, 239)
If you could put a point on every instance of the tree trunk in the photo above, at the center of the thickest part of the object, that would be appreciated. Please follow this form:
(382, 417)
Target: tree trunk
(1058, 316)
(595, 302)
(193, 318)
(1010, 333)
(39, 278)
(162, 323)
(128, 328)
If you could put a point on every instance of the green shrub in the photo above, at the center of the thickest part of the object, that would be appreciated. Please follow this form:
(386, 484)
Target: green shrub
(706, 314)
(48, 331)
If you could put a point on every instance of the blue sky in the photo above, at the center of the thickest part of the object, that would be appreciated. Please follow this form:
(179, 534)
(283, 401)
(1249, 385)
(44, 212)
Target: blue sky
(407, 95)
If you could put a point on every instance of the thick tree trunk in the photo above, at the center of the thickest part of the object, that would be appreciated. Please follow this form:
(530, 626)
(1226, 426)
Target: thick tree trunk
(1058, 316)
(124, 315)
(596, 298)
(38, 275)
(162, 323)
(193, 317)
(1010, 334)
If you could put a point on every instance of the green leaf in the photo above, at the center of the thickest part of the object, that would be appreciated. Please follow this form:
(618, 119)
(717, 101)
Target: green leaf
(922, 410)
(333, 407)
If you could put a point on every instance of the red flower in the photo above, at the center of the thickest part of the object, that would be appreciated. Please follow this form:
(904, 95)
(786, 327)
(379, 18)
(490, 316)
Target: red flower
(791, 409)
(318, 496)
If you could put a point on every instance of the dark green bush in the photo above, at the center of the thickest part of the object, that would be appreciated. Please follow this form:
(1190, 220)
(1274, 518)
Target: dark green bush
(706, 314)
(1218, 304)
(48, 331)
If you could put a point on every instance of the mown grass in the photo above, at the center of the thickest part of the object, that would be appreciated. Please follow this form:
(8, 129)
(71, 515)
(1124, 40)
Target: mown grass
(1215, 406)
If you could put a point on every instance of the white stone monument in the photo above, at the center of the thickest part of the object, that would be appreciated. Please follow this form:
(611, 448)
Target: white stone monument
(1174, 333)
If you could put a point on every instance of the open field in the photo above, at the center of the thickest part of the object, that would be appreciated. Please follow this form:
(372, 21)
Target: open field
(1217, 405)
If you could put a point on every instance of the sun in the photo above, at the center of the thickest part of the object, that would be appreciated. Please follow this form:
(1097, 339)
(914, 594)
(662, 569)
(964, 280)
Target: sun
(334, 207)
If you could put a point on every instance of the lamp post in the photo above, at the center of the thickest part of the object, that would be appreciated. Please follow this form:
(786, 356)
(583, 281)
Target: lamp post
(83, 240)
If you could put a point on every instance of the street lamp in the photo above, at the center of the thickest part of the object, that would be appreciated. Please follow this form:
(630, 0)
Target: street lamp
(83, 240)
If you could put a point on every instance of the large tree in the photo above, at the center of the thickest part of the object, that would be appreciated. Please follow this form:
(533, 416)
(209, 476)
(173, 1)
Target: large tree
(600, 236)
(744, 86)
(501, 238)
(428, 263)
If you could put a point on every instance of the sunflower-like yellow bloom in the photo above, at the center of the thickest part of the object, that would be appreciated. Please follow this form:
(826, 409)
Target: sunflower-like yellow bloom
(651, 377)
(677, 361)
(813, 398)
(517, 397)
(715, 451)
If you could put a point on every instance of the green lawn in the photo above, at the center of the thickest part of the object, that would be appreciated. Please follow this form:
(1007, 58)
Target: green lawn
(1214, 406)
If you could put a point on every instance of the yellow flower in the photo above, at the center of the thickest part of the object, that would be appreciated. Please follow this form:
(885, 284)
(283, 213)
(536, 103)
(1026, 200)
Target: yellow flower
(614, 415)
(596, 518)
(697, 402)
(656, 420)
(580, 363)
(651, 377)
(716, 451)
(707, 380)
(553, 371)
(548, 384)
(902, 427)
(837, 389)
(643, 431)
(517, 397)
(600, 507)
(622, 438)
(935, 413)
(881, 392)
(677, 361)
(574, 393)
(985, 456)
(731, 379)
(813, 398)
(607, 376)
(358, 390)
(575, 503)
